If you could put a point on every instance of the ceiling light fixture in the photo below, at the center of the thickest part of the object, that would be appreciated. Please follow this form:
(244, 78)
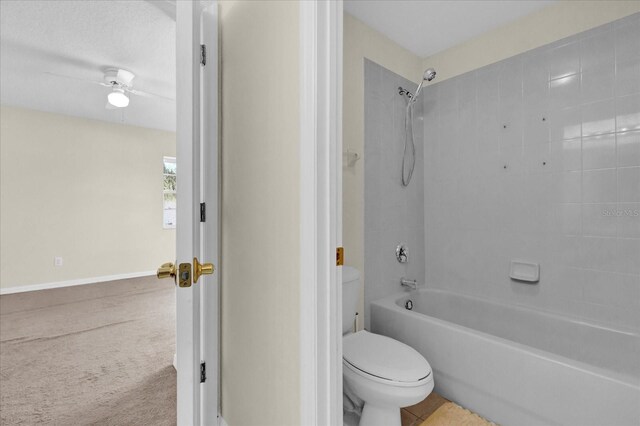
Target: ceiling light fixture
(118, 98)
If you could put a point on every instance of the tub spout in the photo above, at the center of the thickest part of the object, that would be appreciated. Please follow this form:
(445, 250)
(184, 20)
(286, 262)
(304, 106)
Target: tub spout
(413, 284)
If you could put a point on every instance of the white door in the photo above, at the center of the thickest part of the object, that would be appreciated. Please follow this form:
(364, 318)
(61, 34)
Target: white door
(197, 214)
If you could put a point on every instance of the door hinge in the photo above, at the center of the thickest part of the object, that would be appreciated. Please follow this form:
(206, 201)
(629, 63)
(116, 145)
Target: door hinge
(203, 54)
(203, 212)
(340, 256)
(203, 372)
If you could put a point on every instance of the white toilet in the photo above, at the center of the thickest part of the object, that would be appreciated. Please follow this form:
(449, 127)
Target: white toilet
(382, 372)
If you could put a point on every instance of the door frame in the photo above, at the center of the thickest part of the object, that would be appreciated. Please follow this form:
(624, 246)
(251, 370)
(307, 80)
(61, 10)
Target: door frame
(321, 41)
(210, 193)
(197, 153)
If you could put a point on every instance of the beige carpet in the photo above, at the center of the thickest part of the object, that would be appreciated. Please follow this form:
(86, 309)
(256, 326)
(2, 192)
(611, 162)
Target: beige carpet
(89, 355)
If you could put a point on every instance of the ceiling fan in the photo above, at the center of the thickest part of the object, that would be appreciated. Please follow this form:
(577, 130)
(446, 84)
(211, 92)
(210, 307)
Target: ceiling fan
(121, 83)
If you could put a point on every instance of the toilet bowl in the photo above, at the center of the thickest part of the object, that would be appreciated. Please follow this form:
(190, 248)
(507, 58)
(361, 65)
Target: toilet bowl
(382, 372)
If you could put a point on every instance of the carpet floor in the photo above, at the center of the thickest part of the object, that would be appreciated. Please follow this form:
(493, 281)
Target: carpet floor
(98, 354)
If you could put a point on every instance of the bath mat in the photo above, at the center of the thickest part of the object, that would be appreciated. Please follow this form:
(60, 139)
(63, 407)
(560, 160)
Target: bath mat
(450, 414)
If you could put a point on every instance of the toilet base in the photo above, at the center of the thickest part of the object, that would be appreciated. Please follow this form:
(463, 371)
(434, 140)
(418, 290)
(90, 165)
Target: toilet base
(375, 415)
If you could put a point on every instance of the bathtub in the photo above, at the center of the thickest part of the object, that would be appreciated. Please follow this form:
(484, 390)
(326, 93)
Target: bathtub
(518, 366)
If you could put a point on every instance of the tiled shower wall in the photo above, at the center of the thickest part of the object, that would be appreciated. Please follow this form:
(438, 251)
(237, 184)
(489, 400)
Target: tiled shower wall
(393, 214)
(537, 158)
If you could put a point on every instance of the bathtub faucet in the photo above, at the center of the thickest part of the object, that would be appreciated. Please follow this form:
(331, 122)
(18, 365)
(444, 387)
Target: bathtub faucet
(409, 283)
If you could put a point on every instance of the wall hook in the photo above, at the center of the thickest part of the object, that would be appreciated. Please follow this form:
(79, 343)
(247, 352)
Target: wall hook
(352, 157)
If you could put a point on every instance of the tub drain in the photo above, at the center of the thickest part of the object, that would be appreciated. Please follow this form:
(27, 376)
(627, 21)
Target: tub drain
(408, 304)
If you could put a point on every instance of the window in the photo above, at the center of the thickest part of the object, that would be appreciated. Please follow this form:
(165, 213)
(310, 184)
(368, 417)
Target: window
(169, 192)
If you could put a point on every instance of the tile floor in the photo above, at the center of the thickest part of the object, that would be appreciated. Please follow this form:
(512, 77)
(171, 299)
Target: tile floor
(416, 414)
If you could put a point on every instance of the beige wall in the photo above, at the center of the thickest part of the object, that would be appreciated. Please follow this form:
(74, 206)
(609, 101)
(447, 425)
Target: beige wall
(260, 213)
(537, 29)
(86, 190)
(360, 41)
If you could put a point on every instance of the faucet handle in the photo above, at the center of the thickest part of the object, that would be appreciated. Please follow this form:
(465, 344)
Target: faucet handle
(402, 253)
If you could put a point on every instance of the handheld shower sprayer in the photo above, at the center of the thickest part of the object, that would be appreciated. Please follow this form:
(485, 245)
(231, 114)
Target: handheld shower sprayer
(428, 75)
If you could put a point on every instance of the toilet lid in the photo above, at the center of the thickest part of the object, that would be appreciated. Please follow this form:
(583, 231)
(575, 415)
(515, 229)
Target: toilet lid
(384, 357)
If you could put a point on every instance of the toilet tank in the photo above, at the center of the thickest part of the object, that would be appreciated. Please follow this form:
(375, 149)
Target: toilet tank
(350, 297)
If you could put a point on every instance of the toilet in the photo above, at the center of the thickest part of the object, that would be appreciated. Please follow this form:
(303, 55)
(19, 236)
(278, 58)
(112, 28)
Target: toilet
(380, 372)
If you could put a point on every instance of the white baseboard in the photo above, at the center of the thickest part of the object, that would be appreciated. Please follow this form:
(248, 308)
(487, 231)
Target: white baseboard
(71, 283)
(221, 421)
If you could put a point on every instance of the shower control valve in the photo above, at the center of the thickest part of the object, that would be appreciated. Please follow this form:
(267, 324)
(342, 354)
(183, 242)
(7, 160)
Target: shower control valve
(402, 253)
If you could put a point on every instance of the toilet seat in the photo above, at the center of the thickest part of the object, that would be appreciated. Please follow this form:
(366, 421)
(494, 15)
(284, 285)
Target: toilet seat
(384, 360)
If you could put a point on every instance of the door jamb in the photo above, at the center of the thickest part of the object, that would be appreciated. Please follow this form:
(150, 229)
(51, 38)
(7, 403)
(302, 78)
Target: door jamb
(321, 41)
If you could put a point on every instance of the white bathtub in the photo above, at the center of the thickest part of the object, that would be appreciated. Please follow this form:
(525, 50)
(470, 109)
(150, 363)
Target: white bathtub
(518, 366)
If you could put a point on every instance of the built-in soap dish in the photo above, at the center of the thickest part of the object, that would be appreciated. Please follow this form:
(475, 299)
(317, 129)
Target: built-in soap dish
(527, 272)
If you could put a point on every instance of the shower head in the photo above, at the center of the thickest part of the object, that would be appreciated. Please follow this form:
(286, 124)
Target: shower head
(429, 74)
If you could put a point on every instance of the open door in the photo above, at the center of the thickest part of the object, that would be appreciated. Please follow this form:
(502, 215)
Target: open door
(197, 214)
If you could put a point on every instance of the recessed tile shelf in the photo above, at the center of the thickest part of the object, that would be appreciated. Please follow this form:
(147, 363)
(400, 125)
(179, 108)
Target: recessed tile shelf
(527, 272)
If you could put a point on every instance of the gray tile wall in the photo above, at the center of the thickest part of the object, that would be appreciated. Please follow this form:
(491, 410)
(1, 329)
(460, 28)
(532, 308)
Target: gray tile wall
(393, 214)
(537, 157)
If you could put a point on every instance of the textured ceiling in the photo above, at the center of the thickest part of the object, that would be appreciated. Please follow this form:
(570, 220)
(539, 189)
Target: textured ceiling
(81, 39)
(427, 27)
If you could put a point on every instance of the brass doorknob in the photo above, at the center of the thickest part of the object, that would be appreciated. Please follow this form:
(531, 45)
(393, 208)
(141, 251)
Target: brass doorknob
(201, 269)
(167, 270)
